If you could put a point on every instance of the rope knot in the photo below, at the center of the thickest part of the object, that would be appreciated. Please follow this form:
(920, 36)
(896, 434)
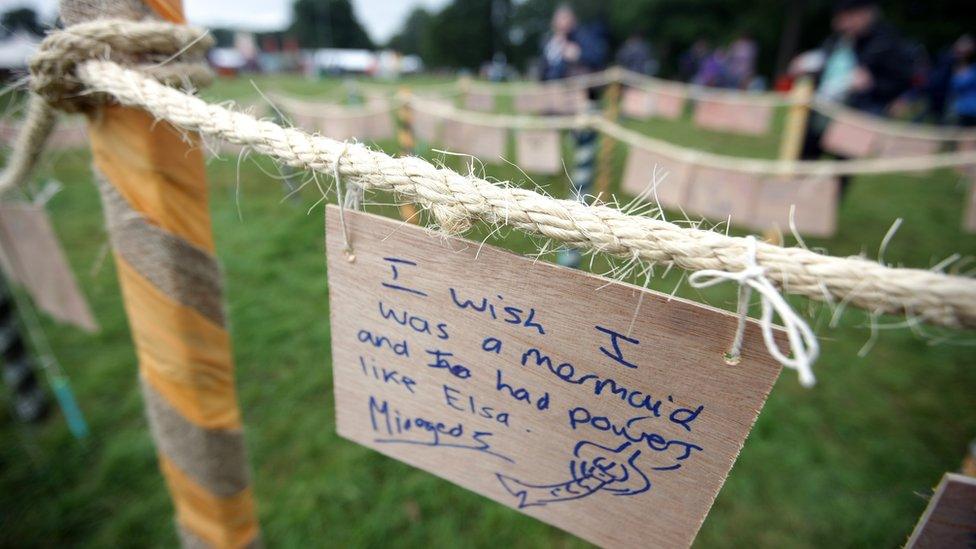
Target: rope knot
(803, 343)
(173, 54)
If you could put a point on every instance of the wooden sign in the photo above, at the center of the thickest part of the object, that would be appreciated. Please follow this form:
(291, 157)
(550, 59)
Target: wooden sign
(814, 200)
(600, 407)
(969, 222)
(669, 104)
(949, 520)
(427, 127)
(734, 117)
(562, 100)
(378, 126)
(33, 258)
(671, 191)
(539, 151)
(487, 143)
(479, 101)
(718, 194)
(636, 103)
(894, 146)
(849, 140)
(529, 102)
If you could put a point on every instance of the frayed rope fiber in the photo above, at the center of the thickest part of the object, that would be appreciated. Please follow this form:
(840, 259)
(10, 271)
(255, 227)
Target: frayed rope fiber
(456, 201)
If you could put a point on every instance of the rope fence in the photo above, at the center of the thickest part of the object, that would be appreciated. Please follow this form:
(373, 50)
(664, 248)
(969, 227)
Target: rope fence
(456, 200)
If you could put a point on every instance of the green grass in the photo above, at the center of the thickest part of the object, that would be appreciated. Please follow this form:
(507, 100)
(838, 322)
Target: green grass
(847, 463)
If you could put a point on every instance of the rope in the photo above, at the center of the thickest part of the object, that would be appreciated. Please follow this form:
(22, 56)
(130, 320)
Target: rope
(686, 155)
(154, 44)
(457, 200)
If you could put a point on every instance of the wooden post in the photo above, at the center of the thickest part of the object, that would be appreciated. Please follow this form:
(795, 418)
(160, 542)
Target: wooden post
(795, 128)
(408, 145)
(154, 193)
(605, 161)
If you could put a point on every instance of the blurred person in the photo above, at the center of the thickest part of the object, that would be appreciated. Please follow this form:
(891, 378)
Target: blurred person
(690, 62)
(962, 88)
(637, 55)
(742, 61)
(570, 48)
(940, 77)
(864, 64)
(713, 70)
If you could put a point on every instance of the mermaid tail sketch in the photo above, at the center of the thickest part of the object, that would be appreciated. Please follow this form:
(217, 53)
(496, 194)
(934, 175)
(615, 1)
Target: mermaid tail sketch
(595, 468)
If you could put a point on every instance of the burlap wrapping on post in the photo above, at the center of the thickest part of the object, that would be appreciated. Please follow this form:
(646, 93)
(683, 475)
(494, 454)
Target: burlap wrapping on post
(172, 292)
(539, 151)
(718, 194)
(32, 257)
(815, 200)
(849, 139)
(674, 177)
(734, 117)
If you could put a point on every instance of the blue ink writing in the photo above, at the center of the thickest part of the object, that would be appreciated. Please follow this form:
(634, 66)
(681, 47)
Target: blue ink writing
(416, 323)
(595, 469)
(440, 361)
(511, 315)
(615, 338)
(520, 393)
(396, 264)
(387, 375)
(456, 399)
(492, 345)
(418, 431)
(399, 348)
(631, 431)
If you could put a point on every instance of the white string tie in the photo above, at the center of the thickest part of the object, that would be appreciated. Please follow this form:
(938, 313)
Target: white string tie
(803, 343)
(344, 200)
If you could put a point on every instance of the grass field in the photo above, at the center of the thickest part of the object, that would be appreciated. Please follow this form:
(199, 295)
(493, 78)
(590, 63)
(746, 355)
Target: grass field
(848, 463)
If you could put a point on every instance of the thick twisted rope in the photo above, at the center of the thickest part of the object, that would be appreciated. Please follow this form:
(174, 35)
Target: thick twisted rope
(457, 200)
(152, 44)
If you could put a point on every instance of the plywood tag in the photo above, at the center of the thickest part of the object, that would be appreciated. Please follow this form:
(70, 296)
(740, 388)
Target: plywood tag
(669, 103)
(969, 221)
(479, 101)
(894, 146)
(813, 199)
(33, 257)
(486, 143)
(719, 194)
(732, 117)
(539, 151)
(636, 103)
(427, 127)
(639, 173)
(596, 406)
(950, 518)
(849, 139)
